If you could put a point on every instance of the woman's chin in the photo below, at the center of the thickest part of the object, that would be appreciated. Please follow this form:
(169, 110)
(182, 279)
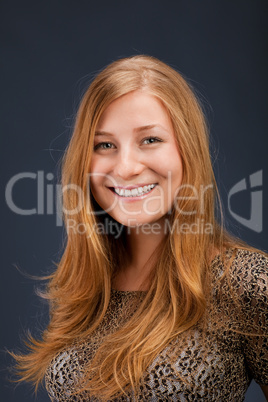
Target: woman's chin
(147, 223)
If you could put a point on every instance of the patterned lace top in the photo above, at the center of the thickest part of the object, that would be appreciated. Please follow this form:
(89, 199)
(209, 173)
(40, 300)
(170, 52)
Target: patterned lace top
(212, 364)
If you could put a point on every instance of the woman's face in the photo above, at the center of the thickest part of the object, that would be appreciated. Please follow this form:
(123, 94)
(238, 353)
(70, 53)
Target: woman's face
(136, 165)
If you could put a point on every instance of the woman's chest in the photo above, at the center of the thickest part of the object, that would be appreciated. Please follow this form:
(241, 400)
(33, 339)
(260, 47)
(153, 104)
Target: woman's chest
(195, 366)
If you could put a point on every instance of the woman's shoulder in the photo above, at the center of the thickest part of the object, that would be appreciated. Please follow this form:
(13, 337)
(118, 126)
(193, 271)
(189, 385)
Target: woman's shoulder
(241, 259)
(244, 270)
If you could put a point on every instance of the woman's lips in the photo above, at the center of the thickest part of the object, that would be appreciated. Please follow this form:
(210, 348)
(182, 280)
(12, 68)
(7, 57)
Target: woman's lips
(132, 186)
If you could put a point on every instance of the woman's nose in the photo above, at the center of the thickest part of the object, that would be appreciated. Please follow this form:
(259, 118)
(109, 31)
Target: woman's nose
(128, 164)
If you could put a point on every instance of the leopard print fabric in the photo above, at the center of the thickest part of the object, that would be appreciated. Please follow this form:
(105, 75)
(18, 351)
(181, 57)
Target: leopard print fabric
(213, 361)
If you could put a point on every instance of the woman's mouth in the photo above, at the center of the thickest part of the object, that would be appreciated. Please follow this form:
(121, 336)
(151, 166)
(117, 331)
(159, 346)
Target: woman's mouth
(134, 192)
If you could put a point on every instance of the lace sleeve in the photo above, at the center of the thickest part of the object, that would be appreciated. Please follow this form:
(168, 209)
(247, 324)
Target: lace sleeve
(249, 278)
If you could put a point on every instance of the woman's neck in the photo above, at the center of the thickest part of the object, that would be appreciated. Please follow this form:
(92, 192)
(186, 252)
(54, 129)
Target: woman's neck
(142, 243)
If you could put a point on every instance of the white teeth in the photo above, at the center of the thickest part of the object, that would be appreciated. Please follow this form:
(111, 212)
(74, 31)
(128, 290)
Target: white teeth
(135, 191)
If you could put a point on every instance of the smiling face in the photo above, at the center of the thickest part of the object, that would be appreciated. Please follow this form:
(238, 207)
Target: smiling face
(136, 167)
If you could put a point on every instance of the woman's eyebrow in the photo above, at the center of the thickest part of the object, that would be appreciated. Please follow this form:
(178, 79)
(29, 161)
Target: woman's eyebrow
(148, 127)
(136, 130)
(100, 132)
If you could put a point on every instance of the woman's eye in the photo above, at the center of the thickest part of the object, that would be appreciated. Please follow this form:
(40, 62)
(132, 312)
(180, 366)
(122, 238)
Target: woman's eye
(103, 145)
(151, 140)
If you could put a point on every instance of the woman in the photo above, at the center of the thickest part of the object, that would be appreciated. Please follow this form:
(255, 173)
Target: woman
(152, 299)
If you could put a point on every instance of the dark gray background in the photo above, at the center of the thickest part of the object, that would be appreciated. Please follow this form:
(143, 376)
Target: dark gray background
(49, 52)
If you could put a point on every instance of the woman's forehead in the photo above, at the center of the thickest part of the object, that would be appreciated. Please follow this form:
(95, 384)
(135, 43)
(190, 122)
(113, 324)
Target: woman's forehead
(138, 110)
